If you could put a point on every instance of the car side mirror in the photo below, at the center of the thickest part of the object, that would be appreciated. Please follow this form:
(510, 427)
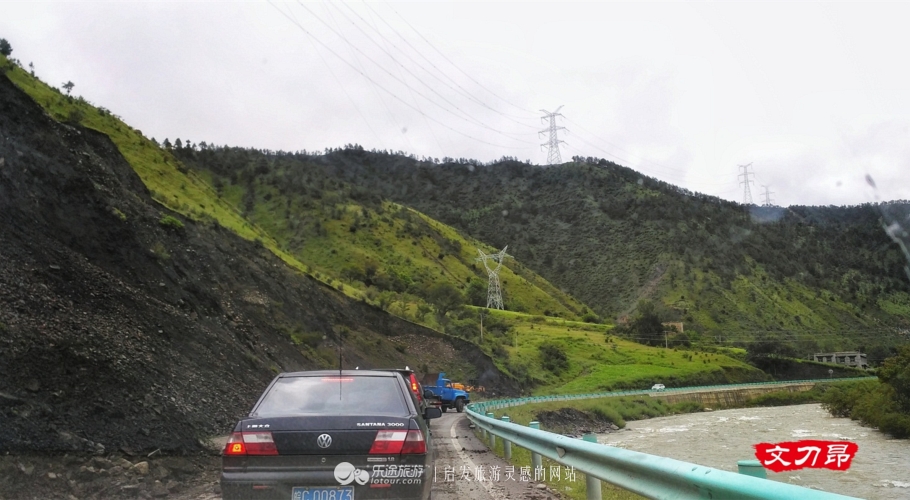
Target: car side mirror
(431, 413)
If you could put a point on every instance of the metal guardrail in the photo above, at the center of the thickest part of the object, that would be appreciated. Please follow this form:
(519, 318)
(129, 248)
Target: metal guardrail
(648, 475)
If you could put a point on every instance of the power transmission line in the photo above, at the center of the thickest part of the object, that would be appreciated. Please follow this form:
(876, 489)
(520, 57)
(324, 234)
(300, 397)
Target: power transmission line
(289, 15)
(673, 175)
(444, 79)
(378, 96)
(553, 156)
(578, 125)
(747, 193)
(416, 103)
(494, 289)
(455, 65)
(466, 116)
(767, 194)
(374, 82)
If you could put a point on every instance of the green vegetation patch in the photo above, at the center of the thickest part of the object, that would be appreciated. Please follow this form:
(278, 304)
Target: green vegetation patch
(171, 222)
(882, 403)
(599, 411)
(595, 361)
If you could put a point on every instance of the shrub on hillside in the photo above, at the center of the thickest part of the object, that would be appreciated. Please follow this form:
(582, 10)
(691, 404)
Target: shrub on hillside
(590, 318)
(172, 223)
(553, 357)
(75, 116)
(607, 412)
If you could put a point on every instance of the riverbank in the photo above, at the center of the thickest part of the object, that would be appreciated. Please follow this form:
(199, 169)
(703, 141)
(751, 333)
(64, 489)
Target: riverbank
(719, 439)
(606, 416)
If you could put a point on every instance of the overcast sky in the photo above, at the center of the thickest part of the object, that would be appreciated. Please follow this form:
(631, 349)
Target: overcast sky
(814, 95)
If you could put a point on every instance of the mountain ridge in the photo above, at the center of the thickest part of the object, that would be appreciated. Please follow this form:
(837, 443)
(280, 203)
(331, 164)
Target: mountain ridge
(606, 233)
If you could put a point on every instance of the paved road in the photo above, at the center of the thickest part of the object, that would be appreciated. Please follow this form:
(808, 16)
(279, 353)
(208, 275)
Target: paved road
(459, 449)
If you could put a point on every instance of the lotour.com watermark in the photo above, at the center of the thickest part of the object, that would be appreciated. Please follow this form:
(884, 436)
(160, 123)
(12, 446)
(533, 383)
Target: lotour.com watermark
(383, 475)
(380, 475)
(794, 455)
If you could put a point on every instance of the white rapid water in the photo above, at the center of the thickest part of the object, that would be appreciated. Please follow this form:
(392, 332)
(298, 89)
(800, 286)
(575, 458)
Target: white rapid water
(880, 470)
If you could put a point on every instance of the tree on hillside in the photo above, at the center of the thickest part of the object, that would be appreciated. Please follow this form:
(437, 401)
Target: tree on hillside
(477, 293)
(895, 371)
(68, 87)
(879, 353)
(553, 357)
(5, 48)
(646, 327)
(444, 297)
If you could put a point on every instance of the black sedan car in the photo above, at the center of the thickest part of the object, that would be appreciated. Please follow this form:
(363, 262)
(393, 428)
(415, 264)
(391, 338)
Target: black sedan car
(331, 435)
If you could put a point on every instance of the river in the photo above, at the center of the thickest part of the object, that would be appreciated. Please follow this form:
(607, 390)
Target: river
(880, 469)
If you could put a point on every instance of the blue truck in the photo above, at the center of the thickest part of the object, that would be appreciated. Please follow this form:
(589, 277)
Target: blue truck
(442, 388)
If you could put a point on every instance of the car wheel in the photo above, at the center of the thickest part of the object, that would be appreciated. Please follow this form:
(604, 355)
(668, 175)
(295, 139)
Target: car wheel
(445, 408)
(459, 405)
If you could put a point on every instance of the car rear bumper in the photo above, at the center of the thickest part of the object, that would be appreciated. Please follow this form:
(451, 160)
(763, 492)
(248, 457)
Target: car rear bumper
(280, 485)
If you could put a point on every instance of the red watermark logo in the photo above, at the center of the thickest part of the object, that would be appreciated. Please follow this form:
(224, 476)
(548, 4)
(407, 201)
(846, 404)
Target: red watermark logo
(794, 455)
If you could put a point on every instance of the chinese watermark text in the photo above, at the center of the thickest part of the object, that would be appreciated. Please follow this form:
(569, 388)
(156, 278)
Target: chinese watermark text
(793, 455)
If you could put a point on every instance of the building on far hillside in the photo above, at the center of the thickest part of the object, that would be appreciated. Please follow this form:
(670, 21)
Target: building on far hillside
(670, 325)
(855, 359)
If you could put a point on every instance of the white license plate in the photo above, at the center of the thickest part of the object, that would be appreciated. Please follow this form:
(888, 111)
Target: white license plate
(327, 493)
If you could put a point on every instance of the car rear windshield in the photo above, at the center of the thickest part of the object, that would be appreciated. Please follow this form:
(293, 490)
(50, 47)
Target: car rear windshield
(325, 395)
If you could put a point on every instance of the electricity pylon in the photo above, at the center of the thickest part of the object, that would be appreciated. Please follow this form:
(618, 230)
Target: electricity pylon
(494, 290)
(768, 201)
(747, 193)
(553, 156)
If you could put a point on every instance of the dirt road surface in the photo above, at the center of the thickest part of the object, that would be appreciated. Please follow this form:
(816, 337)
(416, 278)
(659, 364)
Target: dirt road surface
(459, 449)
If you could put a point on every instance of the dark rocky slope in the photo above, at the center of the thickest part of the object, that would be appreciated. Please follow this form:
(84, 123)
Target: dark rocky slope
(123, 332)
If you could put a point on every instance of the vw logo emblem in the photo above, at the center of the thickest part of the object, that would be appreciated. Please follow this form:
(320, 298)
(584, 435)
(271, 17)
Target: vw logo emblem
(324, 441)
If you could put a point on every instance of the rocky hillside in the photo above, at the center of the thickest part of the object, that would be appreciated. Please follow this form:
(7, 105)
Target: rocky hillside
(126, 325)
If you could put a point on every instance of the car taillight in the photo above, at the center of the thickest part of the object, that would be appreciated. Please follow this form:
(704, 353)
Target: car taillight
(251, 443)
(395, 442)
(415, 388)
(414, 444)
(388, 442)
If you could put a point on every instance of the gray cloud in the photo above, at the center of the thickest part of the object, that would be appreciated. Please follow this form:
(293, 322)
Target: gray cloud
(811, 94)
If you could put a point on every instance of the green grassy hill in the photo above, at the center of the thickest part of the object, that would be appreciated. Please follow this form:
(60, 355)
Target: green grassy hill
(381, 252)
(829, 277)
(560, 357)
